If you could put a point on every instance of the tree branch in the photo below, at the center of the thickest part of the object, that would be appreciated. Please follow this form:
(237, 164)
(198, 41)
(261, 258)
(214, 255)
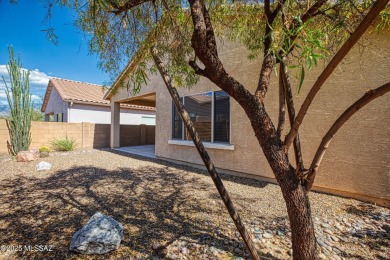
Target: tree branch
(291, 114)
(265, 77)
(364, 100)
(246, 236)
(268, 62)
(347, 46)
(205, 47)
(282, 104)
(118, 9)
(197, 69)
(312, 11)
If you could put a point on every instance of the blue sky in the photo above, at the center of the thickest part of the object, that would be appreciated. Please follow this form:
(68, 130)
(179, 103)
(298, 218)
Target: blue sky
(21, 25)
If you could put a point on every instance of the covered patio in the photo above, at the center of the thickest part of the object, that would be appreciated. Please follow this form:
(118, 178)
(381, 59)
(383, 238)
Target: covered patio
(144, 140)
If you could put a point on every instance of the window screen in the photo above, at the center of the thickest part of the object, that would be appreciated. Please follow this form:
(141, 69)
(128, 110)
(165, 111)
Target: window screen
(177, 125)
(221, 117)
(199, 108)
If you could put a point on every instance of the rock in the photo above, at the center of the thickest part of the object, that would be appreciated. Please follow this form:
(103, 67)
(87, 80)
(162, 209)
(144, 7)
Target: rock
(321, 242)
(324, 225)
(184, 251)
(280, 233)
(156, 246)
(43, 166)
(339, 227)
(322, 256)
(25, 156)
(172, 256)
(336, 257)
(213, 250)
(267, 235)
(100, 235)
(328, 231)
(44, 154)
(334, 238)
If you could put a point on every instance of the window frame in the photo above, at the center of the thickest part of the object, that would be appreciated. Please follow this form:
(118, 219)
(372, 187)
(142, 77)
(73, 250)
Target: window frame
(176, 140)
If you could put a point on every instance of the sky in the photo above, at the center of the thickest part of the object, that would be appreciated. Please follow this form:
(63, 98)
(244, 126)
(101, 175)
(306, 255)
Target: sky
(21, 26)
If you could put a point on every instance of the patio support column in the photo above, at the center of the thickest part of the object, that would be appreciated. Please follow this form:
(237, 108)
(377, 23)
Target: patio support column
(47, 118)
(115, 125)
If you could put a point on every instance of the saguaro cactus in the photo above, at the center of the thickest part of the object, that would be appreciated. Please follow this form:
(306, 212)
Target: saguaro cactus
(20, 103)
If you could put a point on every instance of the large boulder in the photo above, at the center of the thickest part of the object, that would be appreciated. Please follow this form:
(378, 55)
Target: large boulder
(100, 235)
(25, 156)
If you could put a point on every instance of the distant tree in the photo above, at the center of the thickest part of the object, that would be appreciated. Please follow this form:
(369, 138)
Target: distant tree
(20, 104)
(37, 115)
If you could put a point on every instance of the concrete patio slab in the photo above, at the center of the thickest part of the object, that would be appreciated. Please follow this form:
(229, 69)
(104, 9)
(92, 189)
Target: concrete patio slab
(142, 150)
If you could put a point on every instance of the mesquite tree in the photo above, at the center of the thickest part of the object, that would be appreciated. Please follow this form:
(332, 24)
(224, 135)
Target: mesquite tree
(20, 104)
(287, 35)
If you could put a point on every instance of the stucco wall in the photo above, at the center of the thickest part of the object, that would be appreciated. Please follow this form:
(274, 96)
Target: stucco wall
(357, 161)
(102, 115)
(56, 105)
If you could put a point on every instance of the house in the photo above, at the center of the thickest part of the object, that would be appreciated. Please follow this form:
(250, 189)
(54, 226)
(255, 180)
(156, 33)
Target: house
(357, 161)
(75, 102)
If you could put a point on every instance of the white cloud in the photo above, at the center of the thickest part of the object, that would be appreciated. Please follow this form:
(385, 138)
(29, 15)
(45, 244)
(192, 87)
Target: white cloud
(38, 80)
(35, 98)
(38, 83)
(37, 77)
(3, 69)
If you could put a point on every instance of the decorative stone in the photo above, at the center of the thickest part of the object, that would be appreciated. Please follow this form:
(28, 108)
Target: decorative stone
(324, 225)
(156, 246)
(25, 156)
(237, 250)
(44, 154)
(42, 166)
(100, 235)
(267, 235)
(184, 251)
(328, 231)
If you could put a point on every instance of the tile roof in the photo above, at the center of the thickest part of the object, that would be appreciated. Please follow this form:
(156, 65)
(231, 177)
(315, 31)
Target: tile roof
(81, 92)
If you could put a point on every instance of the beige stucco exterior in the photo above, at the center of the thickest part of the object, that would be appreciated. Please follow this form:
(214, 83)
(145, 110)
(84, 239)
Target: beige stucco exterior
(357, 163)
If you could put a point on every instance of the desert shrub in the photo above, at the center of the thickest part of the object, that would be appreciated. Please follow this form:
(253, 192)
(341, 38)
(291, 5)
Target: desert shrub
(44, 149)
(64, 144)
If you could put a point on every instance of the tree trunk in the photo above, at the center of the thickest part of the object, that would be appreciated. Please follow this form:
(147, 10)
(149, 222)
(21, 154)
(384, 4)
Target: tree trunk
(299, 213)
(294, 194)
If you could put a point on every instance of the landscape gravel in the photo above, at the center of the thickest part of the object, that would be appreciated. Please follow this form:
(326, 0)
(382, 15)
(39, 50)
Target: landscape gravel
(168, 211)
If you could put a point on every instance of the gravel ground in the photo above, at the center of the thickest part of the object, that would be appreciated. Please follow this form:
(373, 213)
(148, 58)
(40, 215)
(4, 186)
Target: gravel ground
(160, 203)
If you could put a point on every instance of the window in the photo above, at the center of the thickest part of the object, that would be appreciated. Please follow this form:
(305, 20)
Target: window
(60, 117)
(177, 124)
(210, 114)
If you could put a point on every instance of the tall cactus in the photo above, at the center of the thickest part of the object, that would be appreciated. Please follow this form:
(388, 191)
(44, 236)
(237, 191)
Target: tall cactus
(20, 103)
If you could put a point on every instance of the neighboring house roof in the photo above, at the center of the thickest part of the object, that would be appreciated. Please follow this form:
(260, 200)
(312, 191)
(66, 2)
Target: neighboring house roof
(81, 92)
